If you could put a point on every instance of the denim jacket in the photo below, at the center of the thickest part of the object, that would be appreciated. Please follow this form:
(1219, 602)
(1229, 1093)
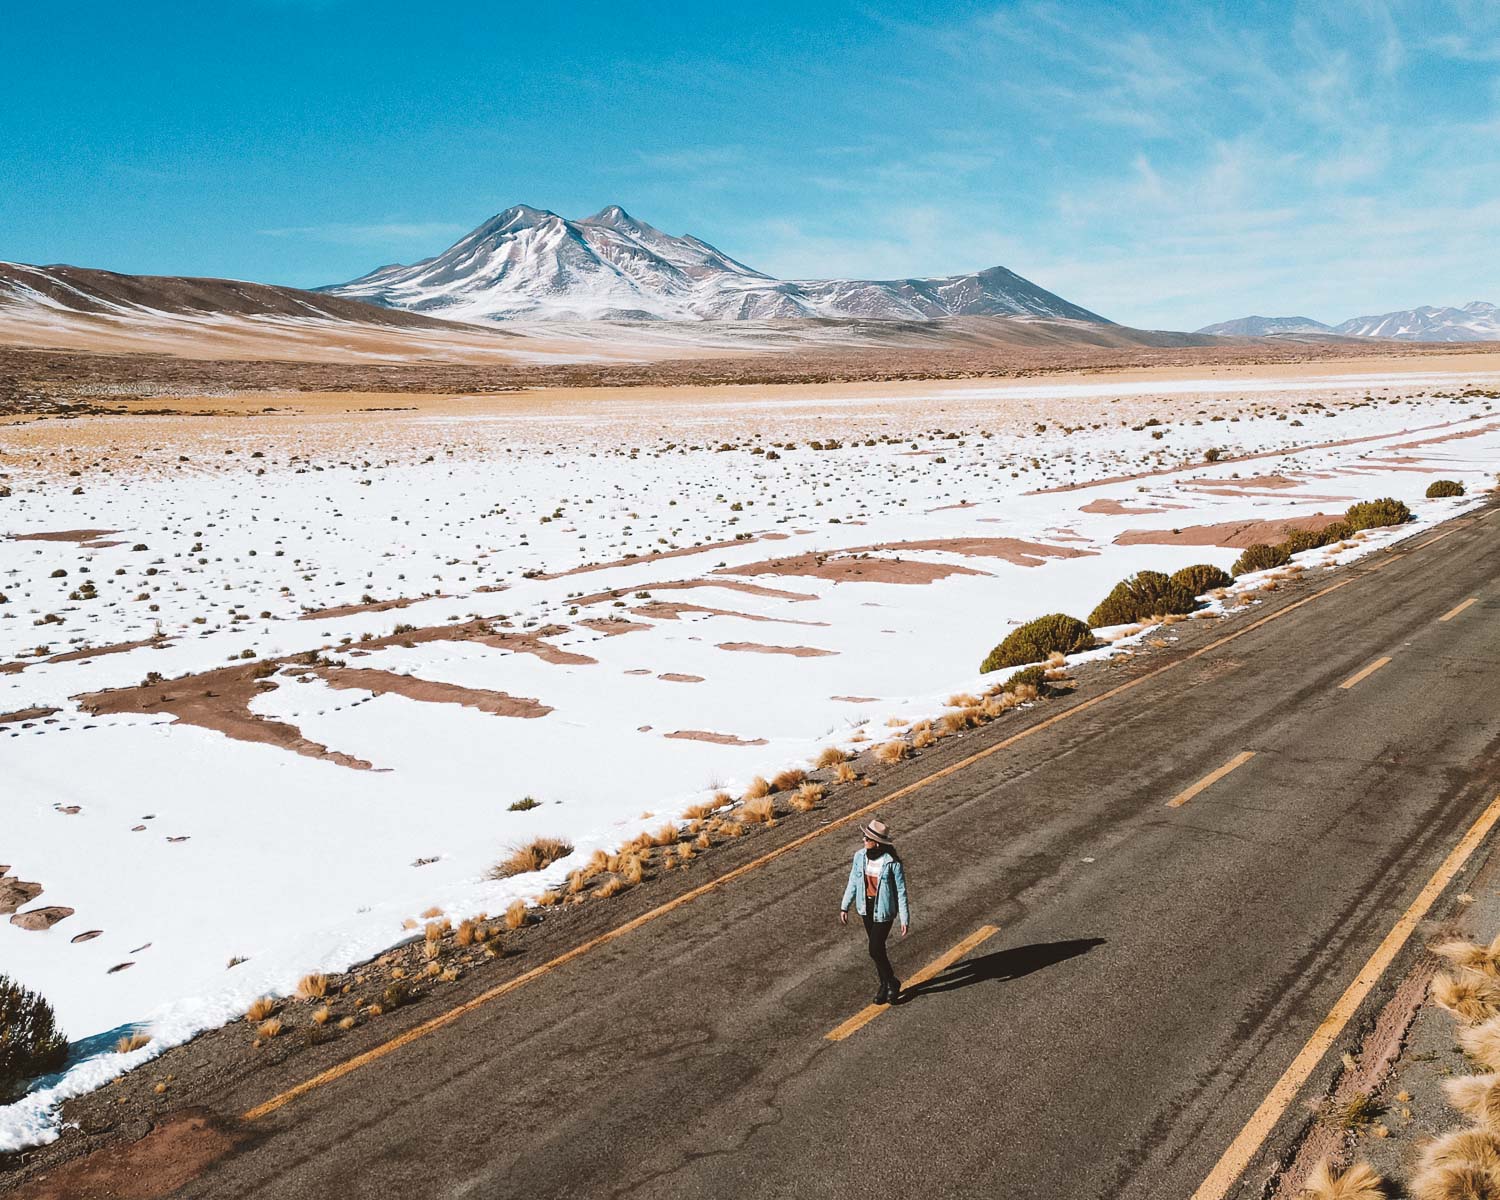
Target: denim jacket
(890, 897)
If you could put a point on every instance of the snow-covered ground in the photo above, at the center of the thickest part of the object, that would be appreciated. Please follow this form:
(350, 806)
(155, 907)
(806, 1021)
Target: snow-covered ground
(782, 599)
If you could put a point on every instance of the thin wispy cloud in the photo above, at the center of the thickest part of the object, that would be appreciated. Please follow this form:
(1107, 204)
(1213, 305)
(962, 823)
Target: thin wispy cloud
(372, 234)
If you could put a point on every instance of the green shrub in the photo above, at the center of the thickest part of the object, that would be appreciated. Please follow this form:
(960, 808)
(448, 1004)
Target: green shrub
(1375, 514)
(1202, 578)
(1338, 531)
(1298, 540)
(1034, 641)
(524, 804)
(1440, 488)
(1259, 557)
(30, 1042)
(1032, 676)
(1142, 595)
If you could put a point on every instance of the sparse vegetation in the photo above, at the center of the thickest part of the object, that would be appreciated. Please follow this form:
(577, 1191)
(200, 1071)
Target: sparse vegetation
(892, 751)
(1377, 514)
(1034, 641)
(260, 1009)
(524, 804)
(1439, 489)
(30, 1042)
(132, 1041)
(1202, 578)
(758, 810)
(1142, 595)
(1260, 557)
(829, 756)
(312, 987)
(1468, 996)
(536, 855)
(515, 915)
(1359, 1181)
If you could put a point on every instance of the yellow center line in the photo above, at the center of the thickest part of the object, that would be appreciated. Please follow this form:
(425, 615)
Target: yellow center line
(1365, 673)
(941, 963)
(1458, 608)
(1213, 777)
(1429, 541)
(339, 1070)
(1381, 565)
(1264, 1119)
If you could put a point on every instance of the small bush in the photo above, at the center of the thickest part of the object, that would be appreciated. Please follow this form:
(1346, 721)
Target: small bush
(1376, 514)
(1142, 595)
(536, 855)
(1202, 578)
(312, 987)
(829, 756)
(1299, 540)
(786, 780)
(758, 810)
(1031, 677)
(1439, 488)
(396, 994)
(1338, 531)
(1035, 640)
(524, 804)
(1259, 557)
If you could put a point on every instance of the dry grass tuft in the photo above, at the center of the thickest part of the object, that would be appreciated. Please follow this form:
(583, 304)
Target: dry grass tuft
(515, 915)
(759, 786)
(1353, 1113)
(1056, 659)
(312, 987)
(432, 950)
(612, 886)
(786, 780)
(433, 968)
(450, 974)
(432, 912)
(962, 700)
(1358, 1182)
(436, 931)
(923, 738)
(699, 812)
(1463, 1165)
(320, 1015)
(534, 856)
(346, 1023)
(260, 1009)
(893, 751)
(759, 811)
(1482, 1043)
(665, 836)
(466, 931)
(1468, 996)
(269, 1029)
(845, 773)
(703, 841)
(829, 756)
(132, 1041)
(547, 899)
(633, 870)
(806, 797)
(1478, 1096)
(1471, 956)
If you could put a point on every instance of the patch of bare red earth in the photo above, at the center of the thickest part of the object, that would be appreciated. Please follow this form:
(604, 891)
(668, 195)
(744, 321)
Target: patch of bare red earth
(866, 564)
(636, 560)
(718, 739)
(171, 1156)
(381, 683)
(1233, 534)
(793, 651)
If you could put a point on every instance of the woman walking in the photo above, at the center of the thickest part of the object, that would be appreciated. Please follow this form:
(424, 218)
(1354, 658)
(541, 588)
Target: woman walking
(877, 890)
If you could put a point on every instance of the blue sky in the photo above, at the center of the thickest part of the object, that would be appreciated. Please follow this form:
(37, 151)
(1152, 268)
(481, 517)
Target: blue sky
(1166, 165)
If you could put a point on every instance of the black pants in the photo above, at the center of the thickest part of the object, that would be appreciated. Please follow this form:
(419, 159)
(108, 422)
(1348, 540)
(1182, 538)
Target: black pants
(878, 932)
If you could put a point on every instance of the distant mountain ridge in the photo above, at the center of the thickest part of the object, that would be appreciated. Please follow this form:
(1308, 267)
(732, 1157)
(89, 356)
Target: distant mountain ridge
(1477, 321)
(530, 264)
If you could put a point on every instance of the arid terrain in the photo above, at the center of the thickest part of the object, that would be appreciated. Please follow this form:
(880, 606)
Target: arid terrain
(254, 610)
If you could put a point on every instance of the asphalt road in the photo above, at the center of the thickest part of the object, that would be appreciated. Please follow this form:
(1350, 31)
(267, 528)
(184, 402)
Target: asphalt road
(1154, 971)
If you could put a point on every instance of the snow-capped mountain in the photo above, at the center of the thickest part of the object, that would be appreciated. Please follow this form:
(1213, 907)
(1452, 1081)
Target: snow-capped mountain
(1474, 322)
(530, 264)
(1265, 327)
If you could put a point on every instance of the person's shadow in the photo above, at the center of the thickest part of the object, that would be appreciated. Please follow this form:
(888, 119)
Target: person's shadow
(1002, 965)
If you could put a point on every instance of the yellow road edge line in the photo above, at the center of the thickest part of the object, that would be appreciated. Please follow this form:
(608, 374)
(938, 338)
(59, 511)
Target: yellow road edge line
(1365, 673)
(494, 993)
(1213, 777)
(1429, 541)
(1456, 609)
(941, 963)
(1237, 1157)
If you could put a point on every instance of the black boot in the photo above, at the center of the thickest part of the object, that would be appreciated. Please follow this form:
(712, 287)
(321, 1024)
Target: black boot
(883, 995)
(893, 992)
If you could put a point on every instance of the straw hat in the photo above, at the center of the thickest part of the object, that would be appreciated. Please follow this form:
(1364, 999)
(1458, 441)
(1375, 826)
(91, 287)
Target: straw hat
(878, 831)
